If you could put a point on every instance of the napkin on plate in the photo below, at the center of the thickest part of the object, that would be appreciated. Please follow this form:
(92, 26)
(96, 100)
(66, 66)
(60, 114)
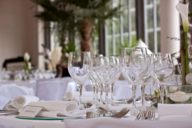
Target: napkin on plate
(174, 109)
(19, 102)
(56, 108)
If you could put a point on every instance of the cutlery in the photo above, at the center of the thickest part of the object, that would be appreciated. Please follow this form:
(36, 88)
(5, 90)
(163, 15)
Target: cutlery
(121, 113)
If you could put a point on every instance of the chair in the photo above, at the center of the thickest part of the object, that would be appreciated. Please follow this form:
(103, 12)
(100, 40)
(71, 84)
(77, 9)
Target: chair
(14, 64)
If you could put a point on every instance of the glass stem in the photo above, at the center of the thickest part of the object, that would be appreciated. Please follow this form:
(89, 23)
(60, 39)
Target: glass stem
(94, 93)
(106, 94)
(112, 93)
(143, 95)
(134, 95)
(80, 93)
(101, 93)
(162, 94)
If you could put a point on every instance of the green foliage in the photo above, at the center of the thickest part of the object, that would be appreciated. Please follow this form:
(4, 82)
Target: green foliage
(69, 14)
(131, 44)
(69, 47)
(73, 11)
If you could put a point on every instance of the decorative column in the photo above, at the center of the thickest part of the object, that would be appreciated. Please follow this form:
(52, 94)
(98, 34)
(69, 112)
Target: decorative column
(170, 26)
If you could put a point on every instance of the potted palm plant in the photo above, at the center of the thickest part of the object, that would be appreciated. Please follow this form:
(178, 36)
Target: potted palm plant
(80, 15)
(73, 16)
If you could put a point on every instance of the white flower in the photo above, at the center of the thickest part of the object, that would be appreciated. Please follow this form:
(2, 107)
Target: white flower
(26, 56)
(184, 10)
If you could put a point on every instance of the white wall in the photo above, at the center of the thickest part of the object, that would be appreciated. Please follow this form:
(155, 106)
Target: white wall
(18, 29)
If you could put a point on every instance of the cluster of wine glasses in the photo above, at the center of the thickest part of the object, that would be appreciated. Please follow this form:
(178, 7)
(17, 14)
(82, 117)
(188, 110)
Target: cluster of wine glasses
(138, 66)
(102, 71)
(142, 68)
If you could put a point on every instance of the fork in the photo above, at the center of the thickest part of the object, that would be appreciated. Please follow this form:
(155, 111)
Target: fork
(146, 115)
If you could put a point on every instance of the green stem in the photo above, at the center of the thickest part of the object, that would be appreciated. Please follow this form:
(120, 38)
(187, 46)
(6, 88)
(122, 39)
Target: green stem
(184, 57)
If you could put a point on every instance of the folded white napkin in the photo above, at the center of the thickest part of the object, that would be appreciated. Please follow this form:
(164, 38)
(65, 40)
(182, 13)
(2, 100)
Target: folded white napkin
(19, 102)
(56, 108)
(174, 109)
(141, 44)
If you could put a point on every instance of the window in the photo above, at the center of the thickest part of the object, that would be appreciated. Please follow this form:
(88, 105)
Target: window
(152, 24)
(121, 31)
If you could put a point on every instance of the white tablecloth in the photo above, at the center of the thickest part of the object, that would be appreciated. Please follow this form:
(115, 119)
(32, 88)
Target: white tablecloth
(12, 122)
(164, 122)
(176, 118)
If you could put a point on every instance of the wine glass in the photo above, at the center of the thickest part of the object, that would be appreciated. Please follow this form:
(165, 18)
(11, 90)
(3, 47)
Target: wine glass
(78, 67)
(129, 74)
(164, 69)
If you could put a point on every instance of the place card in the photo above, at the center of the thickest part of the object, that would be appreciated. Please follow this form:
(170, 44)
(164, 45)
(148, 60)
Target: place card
(30, 111)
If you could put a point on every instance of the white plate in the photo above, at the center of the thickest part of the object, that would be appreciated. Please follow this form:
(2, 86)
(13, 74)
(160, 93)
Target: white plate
(179, 97)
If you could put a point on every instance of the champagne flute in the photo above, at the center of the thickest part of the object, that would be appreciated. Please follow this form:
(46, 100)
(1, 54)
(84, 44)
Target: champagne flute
(78, 67)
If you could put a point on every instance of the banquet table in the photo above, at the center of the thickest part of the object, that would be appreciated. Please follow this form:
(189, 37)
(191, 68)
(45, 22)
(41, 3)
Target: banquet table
(182, 119)
(103, 122)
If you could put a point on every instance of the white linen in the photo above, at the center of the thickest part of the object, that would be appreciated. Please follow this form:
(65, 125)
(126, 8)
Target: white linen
(71, 88)
(126, 123)
(3, 102)
(12, 122)
(174, 109)
(122, 90)
(20, 101)
(11, 91)
(53, 89)
(175, 121)
(29, 85)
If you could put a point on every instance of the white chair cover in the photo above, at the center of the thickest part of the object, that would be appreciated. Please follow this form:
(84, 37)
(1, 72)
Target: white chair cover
(53, 89)
(10, 91)
(122, 90)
